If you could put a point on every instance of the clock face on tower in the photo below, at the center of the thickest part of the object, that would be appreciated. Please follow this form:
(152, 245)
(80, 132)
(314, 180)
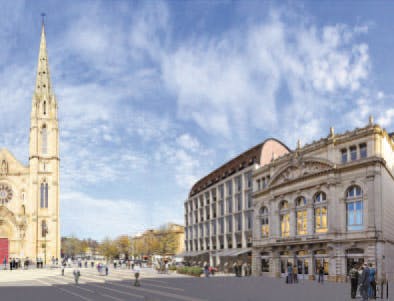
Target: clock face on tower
(5, 194)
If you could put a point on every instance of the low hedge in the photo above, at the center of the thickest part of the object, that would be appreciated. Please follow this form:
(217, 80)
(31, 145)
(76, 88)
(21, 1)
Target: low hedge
(193, 271)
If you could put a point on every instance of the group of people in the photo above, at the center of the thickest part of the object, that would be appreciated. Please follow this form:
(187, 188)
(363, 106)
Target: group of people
(292, 274)
(17, 263)
(363, 278)
(244, 269)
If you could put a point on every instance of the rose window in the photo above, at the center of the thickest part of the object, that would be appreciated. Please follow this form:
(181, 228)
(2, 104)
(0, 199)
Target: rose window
(5, 194)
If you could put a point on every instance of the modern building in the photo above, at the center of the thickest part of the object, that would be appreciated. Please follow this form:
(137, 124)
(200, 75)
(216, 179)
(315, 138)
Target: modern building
(328, 203)
(29, 194)
(219, 210)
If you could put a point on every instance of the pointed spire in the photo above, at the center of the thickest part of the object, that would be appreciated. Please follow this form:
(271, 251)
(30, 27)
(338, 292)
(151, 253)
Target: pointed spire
(43, 81)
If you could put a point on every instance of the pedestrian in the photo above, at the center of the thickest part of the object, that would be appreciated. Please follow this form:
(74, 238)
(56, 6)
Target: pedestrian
(353, 274)
(206, 269)
(295, 274)
(235, 269)
(372, 282)
(364, 282)
(321, 275)
(5, 262)
(289, 273)
(106, 270)
(77, 274)
(137, 270)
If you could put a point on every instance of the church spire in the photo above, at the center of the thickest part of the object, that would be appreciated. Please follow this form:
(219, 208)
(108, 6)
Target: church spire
(43, 81)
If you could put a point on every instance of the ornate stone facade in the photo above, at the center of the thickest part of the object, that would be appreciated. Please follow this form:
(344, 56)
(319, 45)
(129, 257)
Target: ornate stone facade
(327, 204)
(29, 195)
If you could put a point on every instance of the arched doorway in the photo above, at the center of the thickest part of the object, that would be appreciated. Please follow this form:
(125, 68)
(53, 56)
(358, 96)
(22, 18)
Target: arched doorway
(354, 257)
(5, 233)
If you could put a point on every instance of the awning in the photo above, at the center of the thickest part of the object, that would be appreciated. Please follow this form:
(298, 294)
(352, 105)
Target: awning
(191, 253)
(234, 252)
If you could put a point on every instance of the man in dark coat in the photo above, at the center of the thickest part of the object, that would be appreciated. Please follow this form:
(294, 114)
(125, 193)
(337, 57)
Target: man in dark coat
(353, 274)
(364, 283)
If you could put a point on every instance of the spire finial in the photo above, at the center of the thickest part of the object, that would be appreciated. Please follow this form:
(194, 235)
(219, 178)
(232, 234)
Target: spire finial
(370, 121)
(299, 144)
(43, 18)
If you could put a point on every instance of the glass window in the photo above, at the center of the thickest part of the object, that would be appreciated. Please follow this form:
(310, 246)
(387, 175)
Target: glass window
(285, 225)
(301, 222)
(264, 222)
(353, 153)
(321, 220)
(320, 197)
(354, 208)
(344, 155)
(363, 150)
(284, 205)
(301, 201)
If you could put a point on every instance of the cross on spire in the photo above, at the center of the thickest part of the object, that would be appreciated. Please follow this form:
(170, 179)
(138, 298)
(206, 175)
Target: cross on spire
(43, 15)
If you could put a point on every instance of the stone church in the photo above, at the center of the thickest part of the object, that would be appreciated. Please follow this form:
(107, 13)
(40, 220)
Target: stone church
(29, 195)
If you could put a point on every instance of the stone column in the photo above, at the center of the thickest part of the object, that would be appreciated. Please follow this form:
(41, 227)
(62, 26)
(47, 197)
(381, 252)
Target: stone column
(309, 219)
(275, 266)
(256, 262)
(293, 225)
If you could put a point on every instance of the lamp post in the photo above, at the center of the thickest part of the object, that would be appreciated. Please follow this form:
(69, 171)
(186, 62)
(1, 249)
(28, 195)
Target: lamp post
(44, 234)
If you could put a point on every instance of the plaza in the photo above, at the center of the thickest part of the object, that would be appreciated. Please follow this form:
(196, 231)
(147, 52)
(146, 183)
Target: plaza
(48, 284)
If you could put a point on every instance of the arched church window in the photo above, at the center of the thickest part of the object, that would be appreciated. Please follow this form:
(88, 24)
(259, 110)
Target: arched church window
(44, 139)
(44, 195)
(44, 107)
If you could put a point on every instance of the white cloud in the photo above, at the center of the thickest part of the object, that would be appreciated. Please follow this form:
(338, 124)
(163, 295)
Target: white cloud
(387, 118)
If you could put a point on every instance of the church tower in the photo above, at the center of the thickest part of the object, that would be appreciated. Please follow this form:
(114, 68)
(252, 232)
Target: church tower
(44, 162)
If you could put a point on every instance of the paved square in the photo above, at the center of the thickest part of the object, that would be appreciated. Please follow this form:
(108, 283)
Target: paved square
(118, 285)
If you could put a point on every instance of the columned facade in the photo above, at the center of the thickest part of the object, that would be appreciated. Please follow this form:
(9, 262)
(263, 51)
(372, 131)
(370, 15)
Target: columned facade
(327, 204)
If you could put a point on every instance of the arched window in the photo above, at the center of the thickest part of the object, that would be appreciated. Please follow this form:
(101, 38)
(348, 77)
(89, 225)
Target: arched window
(320, 210)
(44, 195)
(354, 208)
(265, 230)
(284, 219)
(301, 215)
(44, 107)
(44, 139)
(44, 228)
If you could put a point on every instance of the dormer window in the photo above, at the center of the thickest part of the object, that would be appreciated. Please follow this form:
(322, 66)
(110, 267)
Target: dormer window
(363, 150)
(353, 153)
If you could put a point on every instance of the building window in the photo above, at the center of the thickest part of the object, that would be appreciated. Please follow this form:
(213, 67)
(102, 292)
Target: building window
(230, 205)
(250, 219)
(44, 107)
(354, 208)
(229, 188)
(353, 153)
(221, 192)
(264, 222)
(344, 155)
(320, 209)
(249, 179)
(238, 218)
(301, 216)
(44, 195)
(284, 219)
(239, 202)
(363, 150)
(229, 224)
(44, 140)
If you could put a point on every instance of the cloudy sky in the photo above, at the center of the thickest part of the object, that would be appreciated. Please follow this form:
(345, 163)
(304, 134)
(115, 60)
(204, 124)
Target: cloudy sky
(153, 95)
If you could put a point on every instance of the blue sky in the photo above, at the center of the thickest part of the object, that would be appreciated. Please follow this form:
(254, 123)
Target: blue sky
(153, 95)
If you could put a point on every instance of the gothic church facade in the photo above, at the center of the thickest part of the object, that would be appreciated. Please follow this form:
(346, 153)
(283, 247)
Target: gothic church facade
(29, 195)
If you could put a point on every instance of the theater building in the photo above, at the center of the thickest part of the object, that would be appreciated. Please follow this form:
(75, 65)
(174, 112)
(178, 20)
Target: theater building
(29, 194)
(219, 209)
(329, 203)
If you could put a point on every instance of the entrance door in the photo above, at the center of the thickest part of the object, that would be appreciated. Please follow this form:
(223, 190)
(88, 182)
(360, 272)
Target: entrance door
(3, 249)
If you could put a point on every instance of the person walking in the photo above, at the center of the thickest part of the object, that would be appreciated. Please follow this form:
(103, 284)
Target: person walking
(289, 273)
(372, 282)
(77, 274)
(5, 262)
(137, 270)
(353, 274)
(364, 283)
(321, 275)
